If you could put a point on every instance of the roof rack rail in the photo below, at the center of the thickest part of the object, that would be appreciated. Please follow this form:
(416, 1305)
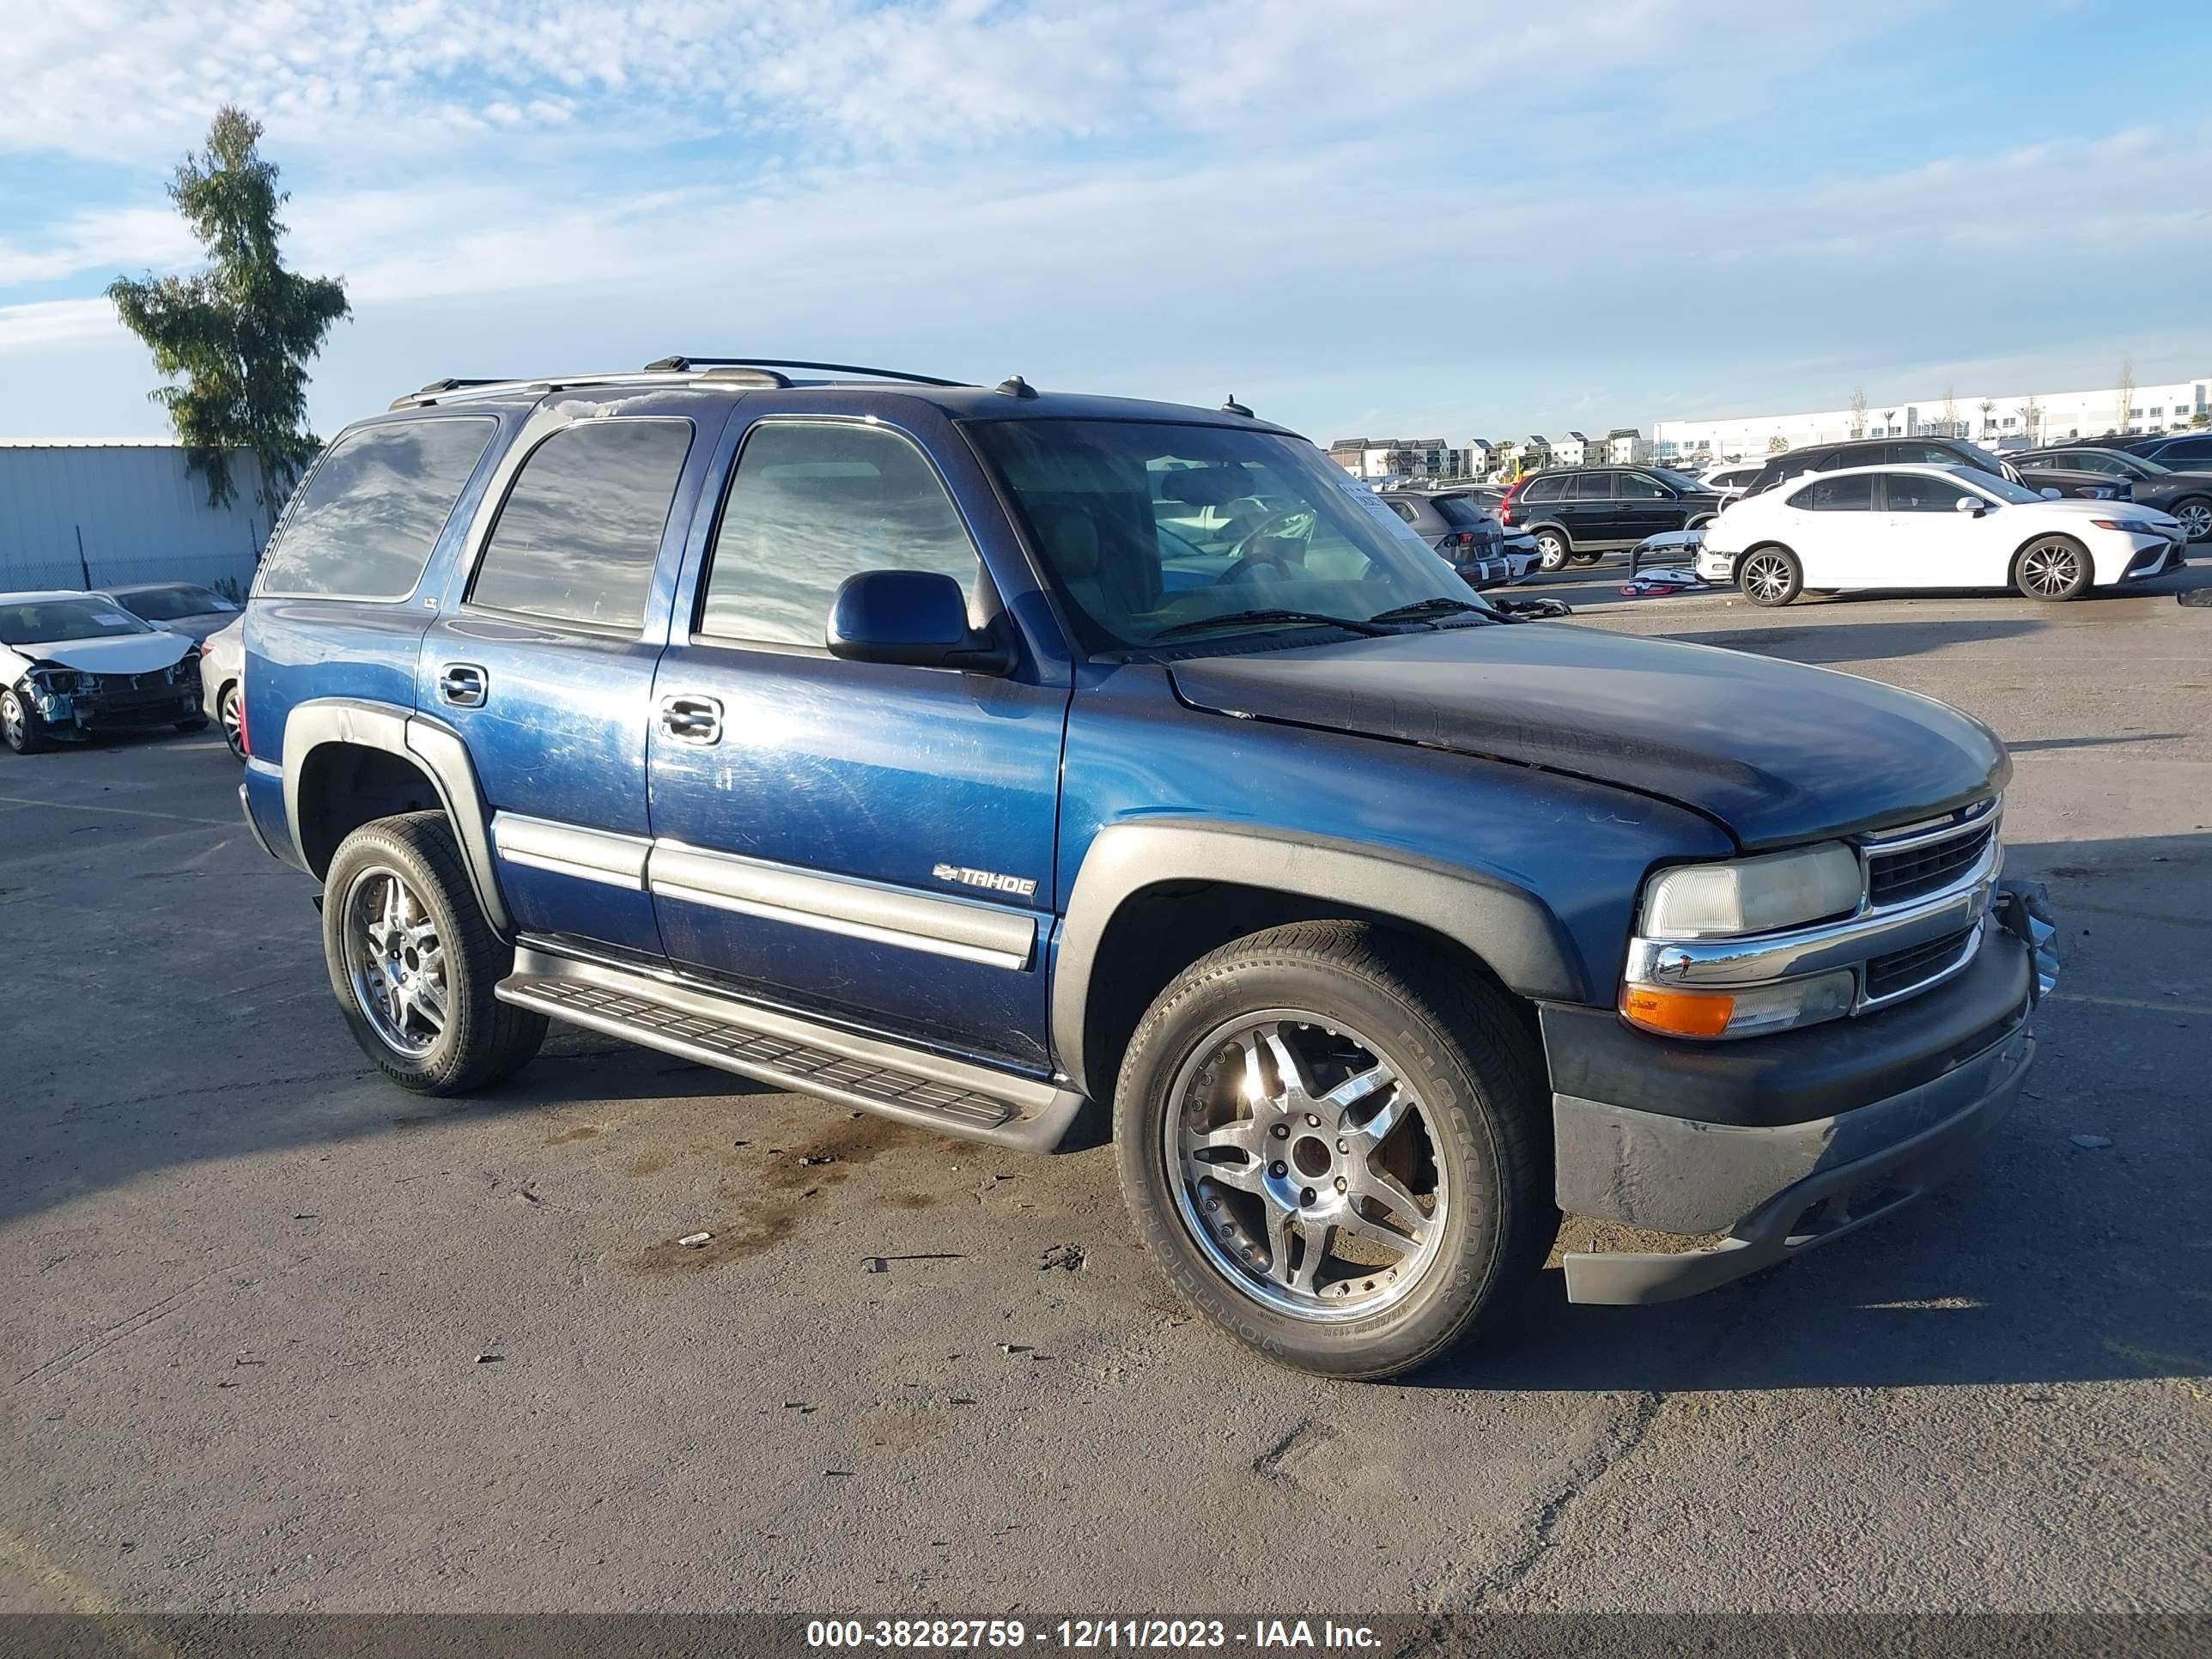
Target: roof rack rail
(680, 364)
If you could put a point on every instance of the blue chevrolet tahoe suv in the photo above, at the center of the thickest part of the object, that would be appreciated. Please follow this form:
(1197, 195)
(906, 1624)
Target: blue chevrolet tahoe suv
(1030, 766)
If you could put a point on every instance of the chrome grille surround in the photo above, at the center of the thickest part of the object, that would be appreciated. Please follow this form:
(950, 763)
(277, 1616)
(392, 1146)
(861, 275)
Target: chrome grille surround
(1890, 944)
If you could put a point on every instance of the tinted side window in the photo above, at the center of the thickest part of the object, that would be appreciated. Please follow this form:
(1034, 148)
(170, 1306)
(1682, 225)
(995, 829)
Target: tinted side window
(2191, 449)
(813, 503)
(580, 531)
(1539, 489)
(1836, 458)
(1916, 492)
(1594, 487)
(1851, 494)
(1634, 486)
(369, 514)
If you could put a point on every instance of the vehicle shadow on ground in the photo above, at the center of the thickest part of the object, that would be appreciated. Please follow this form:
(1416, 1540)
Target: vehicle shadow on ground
(1824, 642)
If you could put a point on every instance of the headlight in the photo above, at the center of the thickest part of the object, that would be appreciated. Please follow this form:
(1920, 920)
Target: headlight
(1754, 895)
(55, 682)
(1748, 1011)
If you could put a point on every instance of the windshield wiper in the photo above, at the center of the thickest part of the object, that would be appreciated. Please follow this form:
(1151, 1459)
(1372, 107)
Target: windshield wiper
(1420, 608)
(1231, 618)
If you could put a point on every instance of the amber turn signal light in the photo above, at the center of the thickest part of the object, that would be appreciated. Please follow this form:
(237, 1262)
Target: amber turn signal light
(1677, 1013)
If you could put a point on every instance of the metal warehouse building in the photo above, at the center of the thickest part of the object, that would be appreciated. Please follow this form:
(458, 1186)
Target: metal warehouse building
(78, 511)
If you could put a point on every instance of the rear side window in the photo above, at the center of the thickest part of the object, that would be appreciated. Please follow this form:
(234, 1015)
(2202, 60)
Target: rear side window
(813, 503)
(1545, 489)
(368, 515)
(1851, 494)
(580, 531)
(1594, 487)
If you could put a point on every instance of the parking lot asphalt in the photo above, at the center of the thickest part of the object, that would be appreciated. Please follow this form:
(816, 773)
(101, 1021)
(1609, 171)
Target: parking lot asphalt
(281, 1337)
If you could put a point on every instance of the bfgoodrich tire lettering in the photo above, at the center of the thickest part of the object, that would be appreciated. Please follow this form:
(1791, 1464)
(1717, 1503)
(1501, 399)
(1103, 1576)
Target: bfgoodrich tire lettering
(413, 961)
(1469, 1149)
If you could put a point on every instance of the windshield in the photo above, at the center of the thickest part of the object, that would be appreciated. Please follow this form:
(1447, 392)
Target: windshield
(2147, 464)
(1981, 458)
(1149, 527)
(41, 622)
(167, 604)
(2006, 490)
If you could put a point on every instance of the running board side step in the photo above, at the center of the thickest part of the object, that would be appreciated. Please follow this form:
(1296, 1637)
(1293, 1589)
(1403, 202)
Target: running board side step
(909, 1084)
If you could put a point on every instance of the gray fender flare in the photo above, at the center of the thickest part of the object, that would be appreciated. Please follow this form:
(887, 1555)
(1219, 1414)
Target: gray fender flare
(430, 745)
(1505, 925)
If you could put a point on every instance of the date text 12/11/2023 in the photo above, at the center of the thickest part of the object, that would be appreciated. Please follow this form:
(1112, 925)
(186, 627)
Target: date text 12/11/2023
(1085, 1634)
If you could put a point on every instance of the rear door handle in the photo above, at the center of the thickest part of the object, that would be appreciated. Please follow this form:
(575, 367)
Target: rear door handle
(691, 718)
(464, 685)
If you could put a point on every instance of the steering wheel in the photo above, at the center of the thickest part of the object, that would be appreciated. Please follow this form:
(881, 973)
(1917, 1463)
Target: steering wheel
(1242, 568)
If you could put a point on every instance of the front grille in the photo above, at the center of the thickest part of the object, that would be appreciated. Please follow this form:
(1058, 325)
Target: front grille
(1895, 877)
(1900, 970)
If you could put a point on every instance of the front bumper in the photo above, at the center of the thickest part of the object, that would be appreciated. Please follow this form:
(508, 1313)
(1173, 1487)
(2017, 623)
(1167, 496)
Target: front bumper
(80, 714)
(1770, 1180)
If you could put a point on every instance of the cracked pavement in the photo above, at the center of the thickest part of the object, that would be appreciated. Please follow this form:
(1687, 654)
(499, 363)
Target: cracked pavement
(286, 1338)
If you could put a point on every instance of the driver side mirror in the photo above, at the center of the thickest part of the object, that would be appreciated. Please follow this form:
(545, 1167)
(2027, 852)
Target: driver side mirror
(915, 618)
(1975, 504)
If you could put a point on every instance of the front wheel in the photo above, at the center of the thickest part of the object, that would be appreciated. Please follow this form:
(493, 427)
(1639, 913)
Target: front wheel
(20, 727)
(413, 960)
(2052, 567)
(1333, 1143)
(1770, 577)
(231, 711)
(1552, 550)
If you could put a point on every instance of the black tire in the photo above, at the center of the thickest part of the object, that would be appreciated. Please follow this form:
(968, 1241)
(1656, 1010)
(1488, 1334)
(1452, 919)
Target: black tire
(2195, 516)
(228, 707)
(196, 723)
(1553, 549)
(21, 728)
(1770, 575)
(478, 1039)
(2052, 568)
(1467, 1095)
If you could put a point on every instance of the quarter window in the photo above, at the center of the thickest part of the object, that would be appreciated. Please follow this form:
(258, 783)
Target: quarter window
(580, 531)
(813, 503)
(369, 513)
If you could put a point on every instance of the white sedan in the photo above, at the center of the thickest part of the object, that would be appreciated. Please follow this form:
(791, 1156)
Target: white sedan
(1931, 528)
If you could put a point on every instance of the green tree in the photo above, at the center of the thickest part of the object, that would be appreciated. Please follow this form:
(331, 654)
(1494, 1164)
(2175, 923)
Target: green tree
(235, 338)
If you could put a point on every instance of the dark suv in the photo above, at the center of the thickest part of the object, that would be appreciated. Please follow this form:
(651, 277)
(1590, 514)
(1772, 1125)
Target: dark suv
(1577, 515)
(1030, 766)
(1876, 452)
(2168, 486)
(1457, 524)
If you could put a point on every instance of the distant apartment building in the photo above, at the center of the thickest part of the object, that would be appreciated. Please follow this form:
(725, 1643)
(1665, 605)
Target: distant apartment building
(2012, 421)
(1573, 450)
(1624, 447)
(1398, 458)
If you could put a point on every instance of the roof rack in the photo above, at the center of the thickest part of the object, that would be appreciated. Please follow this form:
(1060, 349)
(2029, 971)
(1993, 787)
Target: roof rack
(682, 364)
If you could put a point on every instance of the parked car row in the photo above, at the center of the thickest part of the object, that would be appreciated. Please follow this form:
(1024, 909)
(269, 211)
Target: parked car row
(1577, 515)
(75, 664)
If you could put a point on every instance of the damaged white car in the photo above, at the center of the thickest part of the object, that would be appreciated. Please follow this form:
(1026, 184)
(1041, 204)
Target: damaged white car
(72, 664)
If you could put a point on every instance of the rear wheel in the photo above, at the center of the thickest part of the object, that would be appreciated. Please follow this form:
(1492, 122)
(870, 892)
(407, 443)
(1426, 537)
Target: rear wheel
(2052, 567)
(21, 728)
(2195, 516)
(1770, 577)
(1332, 1142)
(413, 960)
(1552, 550)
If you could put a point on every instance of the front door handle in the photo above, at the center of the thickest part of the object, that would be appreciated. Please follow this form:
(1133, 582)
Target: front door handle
(691, 718)
(463, 684)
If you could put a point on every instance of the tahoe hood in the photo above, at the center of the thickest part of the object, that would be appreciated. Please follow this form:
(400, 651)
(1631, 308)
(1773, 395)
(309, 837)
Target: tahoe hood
(1773, 751)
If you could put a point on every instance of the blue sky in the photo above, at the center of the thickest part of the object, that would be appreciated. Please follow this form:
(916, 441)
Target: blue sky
(1516, 217)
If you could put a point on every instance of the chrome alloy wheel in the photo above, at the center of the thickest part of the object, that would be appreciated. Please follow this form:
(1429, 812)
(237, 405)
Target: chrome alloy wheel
(233, 725)
(2050, 567)
(1766, 576)
(2196, 520)
(395, 961)
(12, 720)
(1302, 1166)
